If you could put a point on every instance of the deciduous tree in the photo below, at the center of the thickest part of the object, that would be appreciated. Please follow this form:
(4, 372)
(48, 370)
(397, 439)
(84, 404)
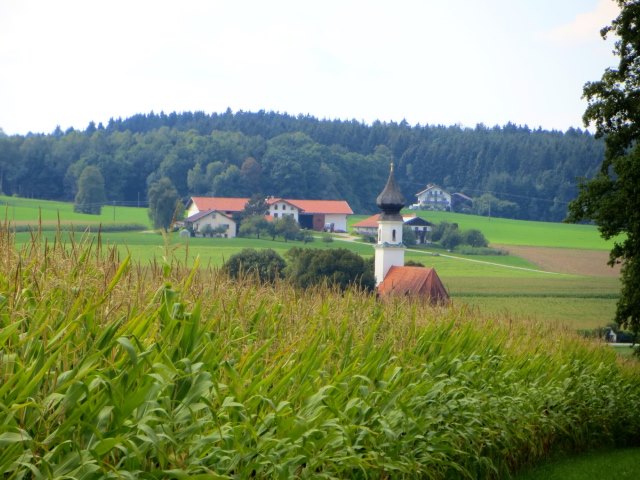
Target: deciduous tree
(335, 266)
(164, 203)
(612, 198)
(91, 195)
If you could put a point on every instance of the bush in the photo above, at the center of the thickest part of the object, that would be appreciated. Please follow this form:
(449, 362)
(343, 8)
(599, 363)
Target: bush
(475, 238)
(305, 236)
(326, 238)
(408, 236)
(451, 239)
(468, 250)
(413, 263)
(266, 264)
(336, 266)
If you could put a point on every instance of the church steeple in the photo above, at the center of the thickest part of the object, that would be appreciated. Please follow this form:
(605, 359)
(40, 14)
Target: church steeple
(389, 248)
(390, 200)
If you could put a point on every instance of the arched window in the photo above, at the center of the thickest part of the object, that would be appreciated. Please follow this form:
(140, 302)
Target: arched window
(393, 235)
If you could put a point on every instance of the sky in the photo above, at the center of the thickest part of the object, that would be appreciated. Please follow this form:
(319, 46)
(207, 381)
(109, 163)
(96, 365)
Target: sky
(430, 62)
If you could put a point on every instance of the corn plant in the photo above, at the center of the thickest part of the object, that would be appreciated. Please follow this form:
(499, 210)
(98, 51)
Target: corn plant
(110, 369)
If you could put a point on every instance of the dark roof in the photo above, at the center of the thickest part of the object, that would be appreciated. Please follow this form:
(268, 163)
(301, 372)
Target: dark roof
(414, 282)
(462, 196)
(418, 222)
(197, 216)
(390, 200)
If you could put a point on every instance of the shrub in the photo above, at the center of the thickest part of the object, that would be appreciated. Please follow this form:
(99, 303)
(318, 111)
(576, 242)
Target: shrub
(468, 250)
(336, 266)
(451, 239)
(475, 238)
(305, 236)
(408, 236)
(326, 238)
(266, 264)
(413, 263)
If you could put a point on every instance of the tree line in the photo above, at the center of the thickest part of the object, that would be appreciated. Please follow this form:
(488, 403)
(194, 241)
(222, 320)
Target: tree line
(511, 171)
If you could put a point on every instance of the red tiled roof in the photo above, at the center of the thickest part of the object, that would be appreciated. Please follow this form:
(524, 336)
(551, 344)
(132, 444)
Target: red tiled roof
(322, 206)
(369, 222)
(418, 282)
(223, 204)
(272, 200)
(227, 204)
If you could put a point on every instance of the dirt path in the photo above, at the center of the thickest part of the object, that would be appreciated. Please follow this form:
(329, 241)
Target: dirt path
(562, 260)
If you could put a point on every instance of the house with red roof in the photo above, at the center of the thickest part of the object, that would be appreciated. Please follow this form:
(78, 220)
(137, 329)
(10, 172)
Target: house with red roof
(310, 214)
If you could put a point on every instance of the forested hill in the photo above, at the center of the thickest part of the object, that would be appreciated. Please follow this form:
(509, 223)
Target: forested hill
(522, 173)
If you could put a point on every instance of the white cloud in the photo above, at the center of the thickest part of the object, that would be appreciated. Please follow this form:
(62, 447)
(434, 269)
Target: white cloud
(585, 27)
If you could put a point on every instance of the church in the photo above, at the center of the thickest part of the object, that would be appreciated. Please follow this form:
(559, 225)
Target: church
(393, 278)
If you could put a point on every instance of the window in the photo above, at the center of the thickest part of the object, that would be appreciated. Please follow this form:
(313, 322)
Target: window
(284, 207)
(393, 235)
(275, 215)
(275, 207)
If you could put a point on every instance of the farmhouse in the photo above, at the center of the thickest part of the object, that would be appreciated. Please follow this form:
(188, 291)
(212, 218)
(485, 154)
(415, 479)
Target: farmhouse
(433, 197)
(392, 276)
(210, 223)
(311, 214)
(420, 226)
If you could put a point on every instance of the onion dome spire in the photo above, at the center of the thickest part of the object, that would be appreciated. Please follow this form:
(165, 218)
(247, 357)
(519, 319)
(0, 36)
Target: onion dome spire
(390, 200)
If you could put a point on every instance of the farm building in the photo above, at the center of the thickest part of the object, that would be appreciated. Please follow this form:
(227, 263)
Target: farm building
(210, 223)
(420, 226)
(311, 214)
(460, 202)
(393, 278)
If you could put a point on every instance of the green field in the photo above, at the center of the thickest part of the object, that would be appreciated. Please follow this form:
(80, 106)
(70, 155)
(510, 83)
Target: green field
(503, 231)
(29, 211)
(620, 464)
(494, 284)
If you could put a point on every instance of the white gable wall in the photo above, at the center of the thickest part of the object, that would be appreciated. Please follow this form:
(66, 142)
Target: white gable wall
(281, 209)
(215, 219)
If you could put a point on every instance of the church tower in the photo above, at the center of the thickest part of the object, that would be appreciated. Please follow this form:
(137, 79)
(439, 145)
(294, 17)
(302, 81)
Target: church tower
(389, 248)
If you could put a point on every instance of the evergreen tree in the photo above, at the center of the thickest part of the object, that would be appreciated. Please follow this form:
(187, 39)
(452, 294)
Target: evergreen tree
(91, 195)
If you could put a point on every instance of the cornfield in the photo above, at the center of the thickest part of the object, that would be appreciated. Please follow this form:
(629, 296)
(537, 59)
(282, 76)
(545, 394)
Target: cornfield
(110, 369)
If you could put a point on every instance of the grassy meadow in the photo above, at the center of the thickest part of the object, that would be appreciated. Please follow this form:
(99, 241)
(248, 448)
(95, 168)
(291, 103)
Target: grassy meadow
(112, 368)
(31, 211)
(494, 284)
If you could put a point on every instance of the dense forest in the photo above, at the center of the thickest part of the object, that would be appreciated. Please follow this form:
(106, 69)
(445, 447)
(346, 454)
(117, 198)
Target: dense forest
(513, 170)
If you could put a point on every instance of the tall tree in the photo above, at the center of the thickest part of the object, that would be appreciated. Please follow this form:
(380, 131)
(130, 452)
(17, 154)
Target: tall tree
(91, 195)
(164, 203)
(612, 198)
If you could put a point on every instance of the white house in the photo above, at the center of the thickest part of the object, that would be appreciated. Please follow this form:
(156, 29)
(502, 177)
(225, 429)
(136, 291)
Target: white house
(211, 222)
(433, 197)
(311, 214)
(279, 208)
